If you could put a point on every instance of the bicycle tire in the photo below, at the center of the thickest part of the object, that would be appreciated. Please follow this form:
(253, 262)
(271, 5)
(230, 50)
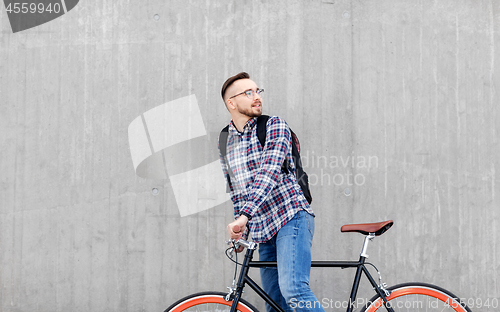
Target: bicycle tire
(211, 301)
(411, 296)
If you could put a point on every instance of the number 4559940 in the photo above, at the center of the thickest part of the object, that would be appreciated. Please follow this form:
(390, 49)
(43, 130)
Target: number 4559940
(474, 303)
(33, 8)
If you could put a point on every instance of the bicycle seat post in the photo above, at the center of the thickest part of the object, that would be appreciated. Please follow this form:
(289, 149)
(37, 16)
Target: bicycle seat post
(368, 238)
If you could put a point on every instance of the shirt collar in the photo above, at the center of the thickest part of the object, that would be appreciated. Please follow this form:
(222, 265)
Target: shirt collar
(249, 125)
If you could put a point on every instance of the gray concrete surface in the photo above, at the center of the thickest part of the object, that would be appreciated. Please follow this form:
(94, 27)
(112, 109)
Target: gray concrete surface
(395, 103)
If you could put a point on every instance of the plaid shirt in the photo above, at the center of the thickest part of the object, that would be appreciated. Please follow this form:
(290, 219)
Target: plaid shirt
(259, 189)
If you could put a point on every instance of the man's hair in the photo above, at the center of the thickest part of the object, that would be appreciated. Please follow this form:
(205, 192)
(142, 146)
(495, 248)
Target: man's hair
(231, 80)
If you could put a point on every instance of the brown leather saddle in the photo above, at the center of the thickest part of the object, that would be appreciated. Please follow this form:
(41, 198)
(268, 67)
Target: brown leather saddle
(378, 228)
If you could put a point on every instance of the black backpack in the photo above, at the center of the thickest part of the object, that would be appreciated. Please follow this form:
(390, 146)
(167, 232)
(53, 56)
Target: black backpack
(300, 174)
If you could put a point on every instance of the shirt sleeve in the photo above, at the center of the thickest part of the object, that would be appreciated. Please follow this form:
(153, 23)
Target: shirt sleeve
(234, 192)
(275, 150)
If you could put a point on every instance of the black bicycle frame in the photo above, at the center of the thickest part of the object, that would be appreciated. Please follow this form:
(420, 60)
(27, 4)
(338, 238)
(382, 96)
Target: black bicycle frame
(248, 263)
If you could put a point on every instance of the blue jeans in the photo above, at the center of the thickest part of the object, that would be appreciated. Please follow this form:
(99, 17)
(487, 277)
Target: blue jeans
(288, 284)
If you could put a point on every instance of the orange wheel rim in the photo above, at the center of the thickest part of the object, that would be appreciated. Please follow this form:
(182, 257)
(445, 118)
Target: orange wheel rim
(416, 291)
(209, 299)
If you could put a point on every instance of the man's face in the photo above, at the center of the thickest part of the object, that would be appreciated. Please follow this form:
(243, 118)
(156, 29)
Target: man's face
(251, 107)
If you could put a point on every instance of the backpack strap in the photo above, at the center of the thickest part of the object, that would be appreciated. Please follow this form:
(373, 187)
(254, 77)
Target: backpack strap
(223, 150)
(261, 134)
(261, 129)
(223, 141)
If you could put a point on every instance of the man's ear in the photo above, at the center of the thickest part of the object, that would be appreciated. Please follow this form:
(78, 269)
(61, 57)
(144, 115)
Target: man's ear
(230, 104)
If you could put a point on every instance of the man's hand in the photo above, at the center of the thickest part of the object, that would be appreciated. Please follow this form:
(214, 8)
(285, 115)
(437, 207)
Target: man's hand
(237, 227)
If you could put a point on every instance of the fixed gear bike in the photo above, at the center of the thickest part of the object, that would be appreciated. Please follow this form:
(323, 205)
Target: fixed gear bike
(398, 298)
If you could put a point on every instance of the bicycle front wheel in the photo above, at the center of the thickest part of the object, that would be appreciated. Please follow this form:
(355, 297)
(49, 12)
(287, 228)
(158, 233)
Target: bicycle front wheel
(208, 302)
(417, 297)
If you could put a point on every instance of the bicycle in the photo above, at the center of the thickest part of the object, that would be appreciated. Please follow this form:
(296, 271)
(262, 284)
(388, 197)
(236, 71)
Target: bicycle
(397, 298)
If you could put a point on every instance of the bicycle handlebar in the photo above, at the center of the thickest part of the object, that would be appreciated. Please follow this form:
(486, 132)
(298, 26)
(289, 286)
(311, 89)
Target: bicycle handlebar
(242, 242)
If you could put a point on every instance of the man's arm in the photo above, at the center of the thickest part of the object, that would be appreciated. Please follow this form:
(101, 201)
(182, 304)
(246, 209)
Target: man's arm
(274, 153)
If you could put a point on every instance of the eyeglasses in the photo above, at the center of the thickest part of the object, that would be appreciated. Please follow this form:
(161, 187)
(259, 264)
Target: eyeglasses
(249, 93)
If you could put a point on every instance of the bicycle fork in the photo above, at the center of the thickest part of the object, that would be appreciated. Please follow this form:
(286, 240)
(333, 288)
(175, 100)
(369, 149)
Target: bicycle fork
(241, 282)
(245, 279)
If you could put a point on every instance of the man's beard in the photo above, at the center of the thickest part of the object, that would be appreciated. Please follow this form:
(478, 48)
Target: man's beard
(249, 112)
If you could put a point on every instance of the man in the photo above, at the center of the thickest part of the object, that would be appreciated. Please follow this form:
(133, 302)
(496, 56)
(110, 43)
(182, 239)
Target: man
(268, 201)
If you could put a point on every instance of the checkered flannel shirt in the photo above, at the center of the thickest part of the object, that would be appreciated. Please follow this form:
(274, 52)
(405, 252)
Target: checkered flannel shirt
(259, 188)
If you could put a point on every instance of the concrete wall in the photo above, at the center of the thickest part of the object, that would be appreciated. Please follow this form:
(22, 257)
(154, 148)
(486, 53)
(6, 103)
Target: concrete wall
(395, 103)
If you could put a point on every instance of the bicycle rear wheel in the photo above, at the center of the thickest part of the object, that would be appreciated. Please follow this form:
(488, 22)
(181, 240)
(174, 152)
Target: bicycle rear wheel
(207, 302)
(417, 297)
